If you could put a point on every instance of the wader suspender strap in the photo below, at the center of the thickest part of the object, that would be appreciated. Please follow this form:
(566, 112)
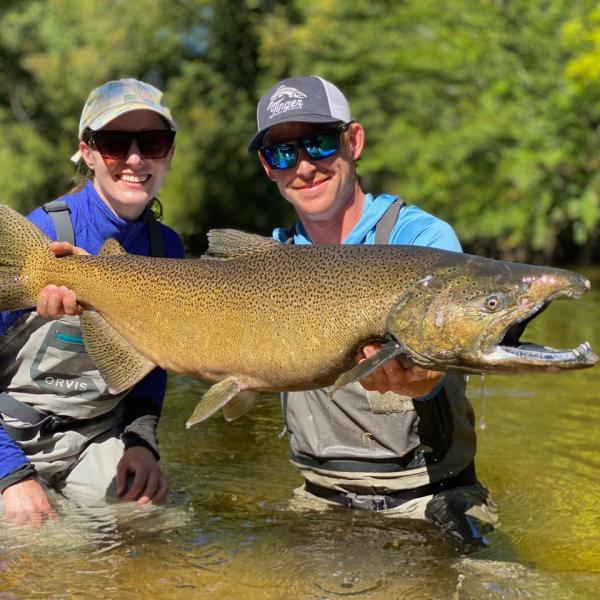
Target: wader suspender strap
(61, 218)
(384, 227)
(435, 419)
(59, 212)
(157, 246)
(24, 412)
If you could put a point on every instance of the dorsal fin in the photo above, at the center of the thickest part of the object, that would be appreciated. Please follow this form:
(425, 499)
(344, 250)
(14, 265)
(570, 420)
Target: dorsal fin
(111, 248)
(231, 243)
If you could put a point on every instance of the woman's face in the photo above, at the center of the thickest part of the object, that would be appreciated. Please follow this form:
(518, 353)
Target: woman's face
(127, 185)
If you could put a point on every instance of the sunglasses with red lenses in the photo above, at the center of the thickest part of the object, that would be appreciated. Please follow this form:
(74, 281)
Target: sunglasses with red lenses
(153, 144)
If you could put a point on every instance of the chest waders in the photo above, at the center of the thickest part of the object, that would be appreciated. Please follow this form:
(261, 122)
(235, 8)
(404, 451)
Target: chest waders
(343, 444)
(63, 342)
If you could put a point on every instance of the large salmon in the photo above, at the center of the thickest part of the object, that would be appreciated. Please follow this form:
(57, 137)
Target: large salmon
(259, 315)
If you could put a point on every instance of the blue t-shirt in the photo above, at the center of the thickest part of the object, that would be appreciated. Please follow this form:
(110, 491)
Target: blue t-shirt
(94, 223)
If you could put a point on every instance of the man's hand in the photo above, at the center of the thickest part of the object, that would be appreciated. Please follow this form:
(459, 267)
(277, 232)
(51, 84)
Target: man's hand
(393, 377)
(56, 301)
(147, 484)
(26, 502)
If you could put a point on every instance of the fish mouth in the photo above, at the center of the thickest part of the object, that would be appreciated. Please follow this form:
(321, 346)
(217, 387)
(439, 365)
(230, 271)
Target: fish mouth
(473, 335)
(511, 353)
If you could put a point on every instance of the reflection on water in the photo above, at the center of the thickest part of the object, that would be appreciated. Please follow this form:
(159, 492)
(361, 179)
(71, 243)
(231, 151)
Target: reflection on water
(228, 531)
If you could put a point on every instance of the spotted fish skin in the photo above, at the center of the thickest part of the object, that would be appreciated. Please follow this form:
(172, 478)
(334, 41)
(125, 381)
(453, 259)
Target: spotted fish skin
(259, 315)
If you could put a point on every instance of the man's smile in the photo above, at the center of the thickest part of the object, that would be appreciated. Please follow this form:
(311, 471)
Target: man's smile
(307, 185)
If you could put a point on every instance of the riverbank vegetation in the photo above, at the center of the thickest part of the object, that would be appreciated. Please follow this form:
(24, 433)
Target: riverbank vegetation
(484, 112)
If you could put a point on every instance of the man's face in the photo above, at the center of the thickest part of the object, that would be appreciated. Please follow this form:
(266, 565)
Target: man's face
(319, 190)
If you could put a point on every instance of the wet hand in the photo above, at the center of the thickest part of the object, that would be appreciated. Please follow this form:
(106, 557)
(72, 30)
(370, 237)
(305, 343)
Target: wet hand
(26, 503)
(393, 377)
(54, 301)
(147, 483)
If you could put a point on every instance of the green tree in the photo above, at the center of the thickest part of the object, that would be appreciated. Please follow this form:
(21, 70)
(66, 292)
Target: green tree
(202, 53)
(468, 110)
(215, 97)
(54, 52)
(484, 112)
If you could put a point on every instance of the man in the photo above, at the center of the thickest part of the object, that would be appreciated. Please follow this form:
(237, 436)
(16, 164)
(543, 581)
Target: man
(402, 441)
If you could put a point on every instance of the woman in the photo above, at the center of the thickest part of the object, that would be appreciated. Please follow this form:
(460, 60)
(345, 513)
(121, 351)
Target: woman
(62, 430)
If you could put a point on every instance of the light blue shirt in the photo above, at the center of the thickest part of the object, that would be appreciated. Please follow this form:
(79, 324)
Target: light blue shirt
(414, 227)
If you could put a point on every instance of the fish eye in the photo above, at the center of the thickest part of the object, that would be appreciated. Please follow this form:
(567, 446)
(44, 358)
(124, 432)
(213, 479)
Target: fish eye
(493, 303)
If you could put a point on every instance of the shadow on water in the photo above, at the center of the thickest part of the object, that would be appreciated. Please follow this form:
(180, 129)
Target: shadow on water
(229, 532)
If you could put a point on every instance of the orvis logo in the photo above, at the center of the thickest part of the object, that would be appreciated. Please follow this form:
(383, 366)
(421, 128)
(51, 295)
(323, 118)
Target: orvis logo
(61, 365)
(63, 386)
(284, 99)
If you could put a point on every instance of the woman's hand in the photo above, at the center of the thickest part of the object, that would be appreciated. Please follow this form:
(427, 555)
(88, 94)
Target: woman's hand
(139, 469)
(393, 377)
(65, 249)
(26, 503)
(54, 301)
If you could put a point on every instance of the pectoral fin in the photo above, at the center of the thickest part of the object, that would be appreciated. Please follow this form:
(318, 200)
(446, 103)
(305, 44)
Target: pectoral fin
(239, 405)
(214, 399)
(119, 363)
(368, 365)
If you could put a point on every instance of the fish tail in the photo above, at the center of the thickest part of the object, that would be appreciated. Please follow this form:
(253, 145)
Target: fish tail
(24, 259)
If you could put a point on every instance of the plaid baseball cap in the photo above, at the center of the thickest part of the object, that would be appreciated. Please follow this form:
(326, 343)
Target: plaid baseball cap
(308, 99)
(115, 98)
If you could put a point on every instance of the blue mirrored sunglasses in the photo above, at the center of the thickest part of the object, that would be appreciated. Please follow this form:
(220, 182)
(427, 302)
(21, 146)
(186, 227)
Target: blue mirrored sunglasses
(317, 146)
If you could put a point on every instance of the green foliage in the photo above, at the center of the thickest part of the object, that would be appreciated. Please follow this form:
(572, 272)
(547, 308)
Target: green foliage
(214, 182)
(468, 111)
(484, 112)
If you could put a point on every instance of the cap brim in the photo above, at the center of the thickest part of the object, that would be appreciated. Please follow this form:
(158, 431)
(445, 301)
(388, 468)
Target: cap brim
(101, 120)
(257, 141)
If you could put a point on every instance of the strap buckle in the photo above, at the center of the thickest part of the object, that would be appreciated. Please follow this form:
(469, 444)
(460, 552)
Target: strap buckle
(54, 423)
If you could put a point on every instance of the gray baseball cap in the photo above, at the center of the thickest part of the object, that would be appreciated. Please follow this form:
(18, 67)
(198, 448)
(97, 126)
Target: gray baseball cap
(308, 99)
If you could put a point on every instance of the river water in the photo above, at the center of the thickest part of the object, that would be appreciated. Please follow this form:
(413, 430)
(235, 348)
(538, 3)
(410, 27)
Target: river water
(228, 532)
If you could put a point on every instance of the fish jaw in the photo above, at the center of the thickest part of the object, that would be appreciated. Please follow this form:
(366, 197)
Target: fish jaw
(508, 353)
(473, 323)
(532, 357)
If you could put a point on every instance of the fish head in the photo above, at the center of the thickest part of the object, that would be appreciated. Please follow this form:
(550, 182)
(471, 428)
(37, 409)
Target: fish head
(468, 315)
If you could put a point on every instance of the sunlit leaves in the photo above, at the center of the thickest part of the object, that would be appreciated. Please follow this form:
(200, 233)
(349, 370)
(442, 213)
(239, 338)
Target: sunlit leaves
(485, 112)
